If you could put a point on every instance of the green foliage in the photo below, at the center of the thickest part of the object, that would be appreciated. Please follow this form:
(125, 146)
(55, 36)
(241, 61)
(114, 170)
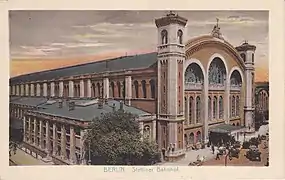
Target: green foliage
(115, 139)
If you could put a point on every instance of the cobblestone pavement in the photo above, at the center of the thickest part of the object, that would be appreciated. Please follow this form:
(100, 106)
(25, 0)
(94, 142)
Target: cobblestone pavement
(22, 158)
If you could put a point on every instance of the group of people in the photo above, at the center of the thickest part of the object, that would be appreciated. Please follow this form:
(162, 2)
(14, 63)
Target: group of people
(12, 147)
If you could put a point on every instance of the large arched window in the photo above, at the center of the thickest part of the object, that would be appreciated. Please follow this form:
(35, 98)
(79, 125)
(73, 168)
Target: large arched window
(237, 106)
(221, 108)
(199, 136)
(164, 37)
(191, 110)
(180, 36)
(236, 81)
(119, 89)
(136, 88)
(198, 109)
(233, 106)
(152, 88)
(193, 74)
(217, 72)
(209, 108)
(215, 107)
(113, 89)
(144, 88)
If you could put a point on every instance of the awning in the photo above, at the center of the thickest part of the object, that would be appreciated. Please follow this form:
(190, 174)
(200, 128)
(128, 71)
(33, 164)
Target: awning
(225, 128)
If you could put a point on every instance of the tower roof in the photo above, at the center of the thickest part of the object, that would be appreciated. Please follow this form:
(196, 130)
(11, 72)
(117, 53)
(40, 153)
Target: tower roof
(245, 47)
(170, 18)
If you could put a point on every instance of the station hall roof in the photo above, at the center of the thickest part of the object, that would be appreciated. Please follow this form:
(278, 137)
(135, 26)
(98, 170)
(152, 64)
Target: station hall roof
(84, 110)
(115, 64)
(224, 128)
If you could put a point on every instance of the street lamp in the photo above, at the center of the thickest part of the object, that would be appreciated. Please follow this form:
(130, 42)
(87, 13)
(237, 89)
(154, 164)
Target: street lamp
(89, 156)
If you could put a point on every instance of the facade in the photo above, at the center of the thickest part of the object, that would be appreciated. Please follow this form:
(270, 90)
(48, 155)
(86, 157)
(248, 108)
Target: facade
(184, 89)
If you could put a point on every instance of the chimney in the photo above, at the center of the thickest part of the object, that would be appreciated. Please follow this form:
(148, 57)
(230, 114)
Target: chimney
(71, 105)
(121, 106)
(114, 107)
(60, 103)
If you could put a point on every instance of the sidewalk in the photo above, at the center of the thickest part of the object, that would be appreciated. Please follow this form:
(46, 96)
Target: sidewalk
(23, 159)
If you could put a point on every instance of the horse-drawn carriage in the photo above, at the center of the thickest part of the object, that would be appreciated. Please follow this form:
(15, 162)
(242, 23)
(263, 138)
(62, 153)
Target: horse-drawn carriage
(253, 154)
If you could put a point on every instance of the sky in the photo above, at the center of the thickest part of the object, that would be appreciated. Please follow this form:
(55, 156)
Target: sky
(50, 39)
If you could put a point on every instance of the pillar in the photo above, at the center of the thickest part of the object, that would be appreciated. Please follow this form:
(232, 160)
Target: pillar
(141, 127)
(45, 89)
(248, 101)
(187, 111)
(82, 147)
(48, 147)
(72, 156)
(32, 90)
(52, 86)
(27, 90)
(61, 89)
(194, 108)
(18, 90)
(38, 89)
(106, 87)
(41, 143)
(88, 88)
(71, 88)
(82, 90)
(63, 141)
(30, 130)
(128, 89)
(55, 139)
(35, 132)
(25, 129)
(226, 104)
(205, 94)
(22, 90)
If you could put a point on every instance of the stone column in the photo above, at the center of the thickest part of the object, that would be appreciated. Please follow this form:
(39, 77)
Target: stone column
(205, 109)
(82, 90)
(194, 109)
(88, 88)
(18, 90)
(27, 90)
(22, 90)
(38, 89)
(128, 89)
(106, 87)
(55, 139)
(30, 130)
(25, 129)
(71, 88)
(35, 133)
(60, 88)
(72, 156)
(187, 111)
(226, 104)
(45, 89)
(218, 106)
(248, 100)
(52, 86)
(48, 150)
(41, 143)
(32, 90)
(63, 141)
(154, 130)
(212, 107)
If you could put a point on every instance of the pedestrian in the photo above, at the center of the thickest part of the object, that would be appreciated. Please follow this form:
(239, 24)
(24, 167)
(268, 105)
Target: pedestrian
(218, 155)
(15, 148)
(213, 149)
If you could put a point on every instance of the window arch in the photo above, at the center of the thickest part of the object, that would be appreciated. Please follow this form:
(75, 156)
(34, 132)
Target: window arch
(113, 89)
(217, 72)
(221, 108)
(152, 88)
(215, 107)
(198, 109)
(146, 131)
(191, 138)
(209, 108)
(180, 36)
(164, 37)
(191, 110)
(199, 136)
(193, 74)
(119, 89)
(144, 88)
(136, 88)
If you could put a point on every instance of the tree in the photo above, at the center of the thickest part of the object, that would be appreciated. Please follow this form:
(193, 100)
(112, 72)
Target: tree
(115, 139)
